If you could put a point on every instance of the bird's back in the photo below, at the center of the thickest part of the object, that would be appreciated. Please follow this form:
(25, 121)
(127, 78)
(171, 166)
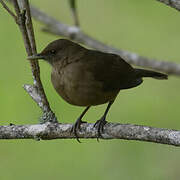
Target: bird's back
(111, 70)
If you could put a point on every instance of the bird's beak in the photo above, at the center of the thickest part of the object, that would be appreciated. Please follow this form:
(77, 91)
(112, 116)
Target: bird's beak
(35, 57)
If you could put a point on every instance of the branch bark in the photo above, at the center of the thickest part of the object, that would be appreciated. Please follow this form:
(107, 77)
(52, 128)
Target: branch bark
(74, 33)
(48, 131)
(172, 3)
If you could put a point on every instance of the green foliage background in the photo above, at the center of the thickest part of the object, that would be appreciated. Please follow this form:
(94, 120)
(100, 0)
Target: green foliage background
(146, 27)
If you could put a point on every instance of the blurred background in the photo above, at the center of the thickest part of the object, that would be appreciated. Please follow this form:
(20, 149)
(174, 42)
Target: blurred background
(148, 28)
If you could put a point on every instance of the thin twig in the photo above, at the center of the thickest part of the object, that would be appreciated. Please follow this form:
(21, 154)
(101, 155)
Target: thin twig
(29, 25)
(21, 19)
(34, 64)
(73, 7)
(9, 11)
(25, 25)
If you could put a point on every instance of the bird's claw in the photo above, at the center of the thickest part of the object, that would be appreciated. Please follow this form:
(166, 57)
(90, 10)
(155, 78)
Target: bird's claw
(100, 127)
(76, 127)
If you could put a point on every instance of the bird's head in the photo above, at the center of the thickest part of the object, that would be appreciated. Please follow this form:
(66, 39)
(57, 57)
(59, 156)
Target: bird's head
(54, 51)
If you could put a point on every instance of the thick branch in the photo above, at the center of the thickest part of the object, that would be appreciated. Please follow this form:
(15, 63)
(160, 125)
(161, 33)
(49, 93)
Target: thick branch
(49, 131)
(172, 3)
(76, 34)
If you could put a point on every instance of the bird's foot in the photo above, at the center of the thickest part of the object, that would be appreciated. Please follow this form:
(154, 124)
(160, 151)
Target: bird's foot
(100, 127)
(76, 127)
(11, 124)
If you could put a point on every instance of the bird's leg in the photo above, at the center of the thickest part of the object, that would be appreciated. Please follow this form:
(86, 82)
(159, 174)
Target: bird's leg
(100, 123)
(77, 124)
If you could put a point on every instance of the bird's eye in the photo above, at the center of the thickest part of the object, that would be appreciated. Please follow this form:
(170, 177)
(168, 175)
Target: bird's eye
(53, 52)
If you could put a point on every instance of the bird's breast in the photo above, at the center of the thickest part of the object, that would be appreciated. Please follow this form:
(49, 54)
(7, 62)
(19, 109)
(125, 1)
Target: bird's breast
(76, 85)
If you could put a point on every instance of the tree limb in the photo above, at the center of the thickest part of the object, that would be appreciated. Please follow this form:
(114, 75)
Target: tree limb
(24, 22)
(56, 27)
(172, 3)
(49, 131)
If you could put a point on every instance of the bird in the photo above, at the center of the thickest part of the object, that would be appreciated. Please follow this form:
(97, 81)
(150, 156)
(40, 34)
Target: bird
(85, 77)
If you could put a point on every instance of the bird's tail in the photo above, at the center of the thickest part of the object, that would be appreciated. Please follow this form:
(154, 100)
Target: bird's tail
(147, 73)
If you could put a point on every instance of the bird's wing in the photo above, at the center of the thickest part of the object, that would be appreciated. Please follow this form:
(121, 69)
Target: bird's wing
(110, 69)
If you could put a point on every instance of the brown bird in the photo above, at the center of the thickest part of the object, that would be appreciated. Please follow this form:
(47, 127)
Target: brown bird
(84, 77)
